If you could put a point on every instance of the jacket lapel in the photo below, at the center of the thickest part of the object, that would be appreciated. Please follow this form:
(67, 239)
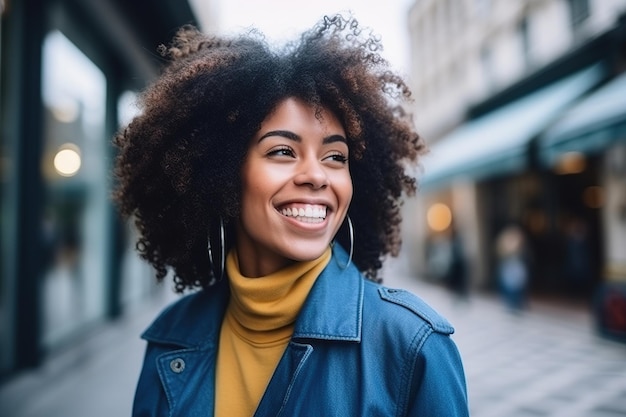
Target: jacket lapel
(332, 311)
(285, 375)
(188, 378)
(188, 373)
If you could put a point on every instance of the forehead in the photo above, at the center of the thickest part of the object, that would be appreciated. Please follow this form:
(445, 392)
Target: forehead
(297, 114)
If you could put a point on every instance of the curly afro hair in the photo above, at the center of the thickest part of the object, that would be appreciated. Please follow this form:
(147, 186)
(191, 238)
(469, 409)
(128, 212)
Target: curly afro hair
(179, 161)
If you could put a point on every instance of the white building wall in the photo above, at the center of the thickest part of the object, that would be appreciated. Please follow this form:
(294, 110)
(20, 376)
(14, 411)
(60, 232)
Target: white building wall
(464, 51)
(508, 58)
(550, 33)
(604, 14)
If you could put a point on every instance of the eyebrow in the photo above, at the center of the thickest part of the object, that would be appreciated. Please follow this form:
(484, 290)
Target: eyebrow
(296, 138)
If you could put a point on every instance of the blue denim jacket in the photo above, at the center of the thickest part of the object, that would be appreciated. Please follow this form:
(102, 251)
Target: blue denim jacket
(358, 349)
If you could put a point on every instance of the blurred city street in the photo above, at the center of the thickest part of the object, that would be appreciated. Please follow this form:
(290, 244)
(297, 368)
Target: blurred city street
(522, 109)
(94, 378)
(546, 361)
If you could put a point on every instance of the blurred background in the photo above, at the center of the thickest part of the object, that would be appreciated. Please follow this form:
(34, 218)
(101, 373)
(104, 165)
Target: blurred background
(518, 231)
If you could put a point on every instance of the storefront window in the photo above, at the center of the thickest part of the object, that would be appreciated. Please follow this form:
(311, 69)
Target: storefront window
(75, 182)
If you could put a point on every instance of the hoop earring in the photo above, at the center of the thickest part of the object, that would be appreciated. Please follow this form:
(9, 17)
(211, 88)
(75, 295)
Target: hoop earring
(222, 255)
(351, 233)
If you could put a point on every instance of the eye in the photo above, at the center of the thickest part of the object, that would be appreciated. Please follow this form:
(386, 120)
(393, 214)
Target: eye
(337, 157)
(281, 151)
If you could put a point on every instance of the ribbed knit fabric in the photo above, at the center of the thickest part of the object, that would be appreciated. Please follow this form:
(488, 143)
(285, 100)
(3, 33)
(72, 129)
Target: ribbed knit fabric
(256, 329)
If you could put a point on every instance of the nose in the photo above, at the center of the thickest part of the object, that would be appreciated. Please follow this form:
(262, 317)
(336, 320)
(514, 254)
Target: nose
(312, 174)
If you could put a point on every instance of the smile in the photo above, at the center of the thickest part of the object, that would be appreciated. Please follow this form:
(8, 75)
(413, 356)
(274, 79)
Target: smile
(306, 213)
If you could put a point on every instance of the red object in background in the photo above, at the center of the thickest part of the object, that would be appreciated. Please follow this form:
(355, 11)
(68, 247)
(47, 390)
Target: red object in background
(610, 310)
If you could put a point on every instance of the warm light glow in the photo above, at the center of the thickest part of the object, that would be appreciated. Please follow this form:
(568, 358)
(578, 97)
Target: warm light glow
(593, 197)
(67, 160)
(571, 163)
(439, 217)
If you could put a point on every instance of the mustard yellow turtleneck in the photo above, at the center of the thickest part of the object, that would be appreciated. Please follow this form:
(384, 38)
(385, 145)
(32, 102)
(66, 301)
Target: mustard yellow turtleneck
(256, 329)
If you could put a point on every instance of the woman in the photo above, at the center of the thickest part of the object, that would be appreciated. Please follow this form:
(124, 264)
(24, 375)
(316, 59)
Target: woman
(271, 182)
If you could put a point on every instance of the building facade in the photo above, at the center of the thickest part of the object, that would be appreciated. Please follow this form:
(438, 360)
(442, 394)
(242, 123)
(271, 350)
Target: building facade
(69, 73)
(522, 106)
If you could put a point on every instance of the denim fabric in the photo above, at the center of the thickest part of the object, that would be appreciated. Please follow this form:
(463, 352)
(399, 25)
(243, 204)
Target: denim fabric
(358, 349)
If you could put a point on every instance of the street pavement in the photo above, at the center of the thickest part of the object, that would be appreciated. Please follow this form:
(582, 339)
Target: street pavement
(547, 361)
(94, 377)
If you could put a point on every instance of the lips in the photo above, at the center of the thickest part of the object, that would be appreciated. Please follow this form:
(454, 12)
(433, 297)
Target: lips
(307, 213)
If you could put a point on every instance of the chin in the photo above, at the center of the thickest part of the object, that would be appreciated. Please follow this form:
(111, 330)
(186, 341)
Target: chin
(308, 253)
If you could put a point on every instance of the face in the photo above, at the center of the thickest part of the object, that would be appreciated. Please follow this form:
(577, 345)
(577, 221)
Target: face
(296, 189)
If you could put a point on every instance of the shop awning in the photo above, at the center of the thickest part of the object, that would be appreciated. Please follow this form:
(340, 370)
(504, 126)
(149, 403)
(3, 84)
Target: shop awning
(497, 143)
(590, 125)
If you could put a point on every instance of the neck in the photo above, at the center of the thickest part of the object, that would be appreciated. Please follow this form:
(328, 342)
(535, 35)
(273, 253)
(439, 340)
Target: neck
(256, 265)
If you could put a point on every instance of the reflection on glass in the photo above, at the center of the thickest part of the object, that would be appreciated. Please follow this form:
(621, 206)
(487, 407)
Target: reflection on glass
(74, 171)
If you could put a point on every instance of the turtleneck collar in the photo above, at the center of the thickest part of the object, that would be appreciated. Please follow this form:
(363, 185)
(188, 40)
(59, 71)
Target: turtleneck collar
(264, 305)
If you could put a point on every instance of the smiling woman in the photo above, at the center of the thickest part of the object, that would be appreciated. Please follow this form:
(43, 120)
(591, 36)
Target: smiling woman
(296, 189)
(280, 160)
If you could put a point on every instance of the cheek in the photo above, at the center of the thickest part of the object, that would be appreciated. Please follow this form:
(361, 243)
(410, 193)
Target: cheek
(251, 182)
(348, 193)
(344, 192)
(347, 187)
(248, 193)
(251, 196)
(256, 193)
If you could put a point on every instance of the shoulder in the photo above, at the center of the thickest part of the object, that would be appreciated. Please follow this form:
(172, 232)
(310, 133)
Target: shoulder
(381, 304)
(420, 354)
(403, 308)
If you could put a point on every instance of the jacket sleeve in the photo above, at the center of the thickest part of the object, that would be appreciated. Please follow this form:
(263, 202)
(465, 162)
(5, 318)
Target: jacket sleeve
(439, 387)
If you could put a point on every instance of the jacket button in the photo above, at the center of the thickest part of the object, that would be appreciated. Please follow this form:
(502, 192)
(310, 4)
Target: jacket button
(177, 365)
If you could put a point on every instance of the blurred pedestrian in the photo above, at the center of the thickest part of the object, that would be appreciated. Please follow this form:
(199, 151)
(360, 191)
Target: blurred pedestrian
(270, 182)
(577, 265)
(457, 273)
(512, 267)
(438, 257)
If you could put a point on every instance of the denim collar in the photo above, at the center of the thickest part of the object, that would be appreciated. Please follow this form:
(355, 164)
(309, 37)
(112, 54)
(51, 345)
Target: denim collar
(332, 311)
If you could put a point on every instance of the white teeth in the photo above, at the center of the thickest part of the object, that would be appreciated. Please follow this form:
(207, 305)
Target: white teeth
(306, 214)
